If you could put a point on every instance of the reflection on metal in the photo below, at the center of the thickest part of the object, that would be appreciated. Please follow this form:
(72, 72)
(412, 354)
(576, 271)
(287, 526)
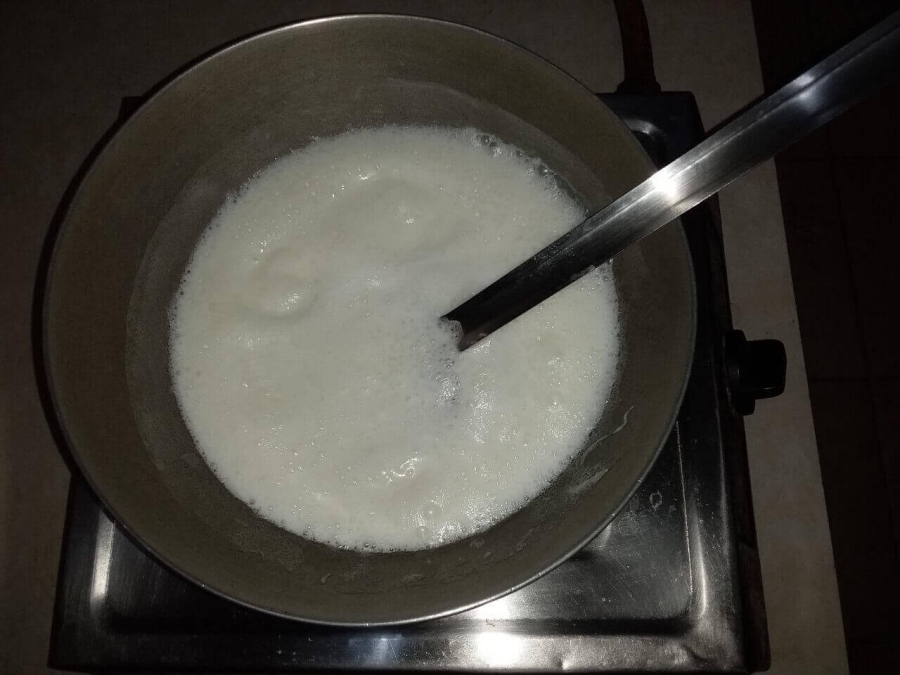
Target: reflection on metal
(106, 532)
(768, 127)
(666, 185)
(498, 650)
(382, 652)
(499, 610)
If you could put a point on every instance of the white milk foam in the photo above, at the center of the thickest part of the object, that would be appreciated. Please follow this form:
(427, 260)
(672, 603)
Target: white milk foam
(312, 370)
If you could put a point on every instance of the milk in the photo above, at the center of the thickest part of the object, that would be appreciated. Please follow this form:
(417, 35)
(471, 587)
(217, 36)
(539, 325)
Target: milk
(312, 370)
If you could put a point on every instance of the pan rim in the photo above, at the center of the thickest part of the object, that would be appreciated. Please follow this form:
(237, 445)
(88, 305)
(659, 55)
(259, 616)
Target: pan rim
(54, 409)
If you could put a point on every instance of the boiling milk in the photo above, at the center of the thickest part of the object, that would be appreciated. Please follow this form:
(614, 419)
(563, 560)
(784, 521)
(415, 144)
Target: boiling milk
(310, 365)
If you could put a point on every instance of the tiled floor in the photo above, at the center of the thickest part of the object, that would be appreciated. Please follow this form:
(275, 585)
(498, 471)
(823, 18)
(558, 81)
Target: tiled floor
(842, 220)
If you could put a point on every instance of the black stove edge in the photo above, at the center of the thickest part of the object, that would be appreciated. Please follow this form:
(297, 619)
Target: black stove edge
(654, 124)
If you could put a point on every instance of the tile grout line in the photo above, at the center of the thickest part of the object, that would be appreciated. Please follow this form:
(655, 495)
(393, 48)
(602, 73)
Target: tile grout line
(832, 158)
(892, 379)
(894, 517)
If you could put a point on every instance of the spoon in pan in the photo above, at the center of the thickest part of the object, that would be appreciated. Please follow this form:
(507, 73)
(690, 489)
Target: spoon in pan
(769, 126)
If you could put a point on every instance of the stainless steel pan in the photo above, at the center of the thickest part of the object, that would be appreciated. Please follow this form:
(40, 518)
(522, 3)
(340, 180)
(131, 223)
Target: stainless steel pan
(129, 232)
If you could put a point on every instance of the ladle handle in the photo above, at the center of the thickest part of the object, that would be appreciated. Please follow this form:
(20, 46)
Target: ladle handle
(767, 127)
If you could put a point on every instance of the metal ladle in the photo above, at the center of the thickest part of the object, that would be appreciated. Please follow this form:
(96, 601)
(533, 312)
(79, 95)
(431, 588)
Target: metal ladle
(771, 125)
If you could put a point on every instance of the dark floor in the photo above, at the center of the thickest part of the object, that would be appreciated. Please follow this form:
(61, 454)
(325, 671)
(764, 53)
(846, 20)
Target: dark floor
(839, 194)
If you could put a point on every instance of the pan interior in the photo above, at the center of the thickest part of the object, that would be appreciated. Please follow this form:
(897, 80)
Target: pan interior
(132, 227)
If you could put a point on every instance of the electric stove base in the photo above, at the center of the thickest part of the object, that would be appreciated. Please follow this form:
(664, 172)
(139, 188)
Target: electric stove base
(672, 585)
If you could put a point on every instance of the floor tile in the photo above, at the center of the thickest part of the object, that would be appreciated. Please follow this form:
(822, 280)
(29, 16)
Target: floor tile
(868, 658)
(830, 24)
(815, 146)
(832, 340)
(858, 511)
(868, 197)
(867, 129)
(886, 394)
(782, 37)
(833, 23)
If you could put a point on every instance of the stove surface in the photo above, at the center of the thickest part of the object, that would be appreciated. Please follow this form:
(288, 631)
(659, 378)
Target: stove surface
(671, 585)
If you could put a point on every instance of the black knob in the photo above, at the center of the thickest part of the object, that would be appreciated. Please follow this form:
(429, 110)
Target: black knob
(754, 369)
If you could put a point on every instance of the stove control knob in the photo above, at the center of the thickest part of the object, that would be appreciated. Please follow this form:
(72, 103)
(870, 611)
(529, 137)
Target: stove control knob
(754, 369)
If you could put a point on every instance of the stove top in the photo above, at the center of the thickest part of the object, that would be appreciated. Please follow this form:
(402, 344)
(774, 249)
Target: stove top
(672, 584)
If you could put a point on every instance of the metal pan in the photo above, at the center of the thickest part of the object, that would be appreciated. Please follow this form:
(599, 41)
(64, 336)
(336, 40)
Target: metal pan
(131, 227)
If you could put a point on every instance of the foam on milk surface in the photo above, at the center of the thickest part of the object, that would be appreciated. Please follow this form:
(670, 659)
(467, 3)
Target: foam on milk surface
(313, 373)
